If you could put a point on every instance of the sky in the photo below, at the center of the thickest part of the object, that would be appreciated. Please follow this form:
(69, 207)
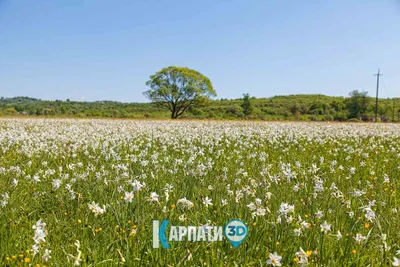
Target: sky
(106, 50)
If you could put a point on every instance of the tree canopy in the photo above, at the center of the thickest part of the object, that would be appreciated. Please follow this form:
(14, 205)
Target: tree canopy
(357, 103)
(246, 105)
(288, 107)
(177, 88)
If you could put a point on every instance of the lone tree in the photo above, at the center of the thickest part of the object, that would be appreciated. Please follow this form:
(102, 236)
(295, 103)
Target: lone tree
(246, 105)
(178, 88)
(357, 103)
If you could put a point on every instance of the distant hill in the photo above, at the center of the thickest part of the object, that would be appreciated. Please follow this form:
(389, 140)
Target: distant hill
(19, 100)
(284, 107)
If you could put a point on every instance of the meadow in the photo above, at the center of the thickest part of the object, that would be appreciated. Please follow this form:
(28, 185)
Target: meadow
(85, 192)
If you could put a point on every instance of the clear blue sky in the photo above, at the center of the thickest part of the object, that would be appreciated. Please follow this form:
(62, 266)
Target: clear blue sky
(106, 50)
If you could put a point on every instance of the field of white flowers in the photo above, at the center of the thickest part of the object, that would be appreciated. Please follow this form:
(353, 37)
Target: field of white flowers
(85, 192)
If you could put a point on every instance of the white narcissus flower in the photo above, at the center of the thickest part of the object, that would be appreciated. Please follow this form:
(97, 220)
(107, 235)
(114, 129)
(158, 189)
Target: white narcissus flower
(274, 259)
(182, 218)
(96, 209)
(305, 225)
(40, 232)
(285, 209)
(319, 214)
(224, 202)
(35, 249)
(303, 257)
(383, 237)
(207, 202)
(261, 212)
(39, 225)
(56, 184)
(297, 231)
(339, 235)
(252, 206)
(301, 253)
(77, 259)
(100, 211)
(153, 197)
(359, 238)
(5, 198)
(396, 261)
(136, 185)
(325, 227)
(39, 236)
(46, 255)
(128, 197)
(185, 203)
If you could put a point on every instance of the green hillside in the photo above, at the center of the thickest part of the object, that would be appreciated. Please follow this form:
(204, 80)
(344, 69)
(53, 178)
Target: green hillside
(290, 107)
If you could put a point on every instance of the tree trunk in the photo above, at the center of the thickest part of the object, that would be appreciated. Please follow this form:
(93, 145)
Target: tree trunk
(174, 111)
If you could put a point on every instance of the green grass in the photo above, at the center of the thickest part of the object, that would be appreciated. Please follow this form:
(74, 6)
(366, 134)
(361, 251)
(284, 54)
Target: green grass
(98, 160)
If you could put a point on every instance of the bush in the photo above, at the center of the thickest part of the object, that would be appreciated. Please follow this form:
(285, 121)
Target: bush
(211, 115)
(287, 114)
(10, 111)
(353, 120)
(49, 111)
(81, 115)
(340, 116)
(196, 112)
(232, 110)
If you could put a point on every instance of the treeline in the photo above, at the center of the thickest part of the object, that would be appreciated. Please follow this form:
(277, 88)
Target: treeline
(358, 106)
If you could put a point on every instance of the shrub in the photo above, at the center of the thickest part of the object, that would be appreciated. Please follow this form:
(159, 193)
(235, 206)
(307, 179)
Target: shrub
(353, 120)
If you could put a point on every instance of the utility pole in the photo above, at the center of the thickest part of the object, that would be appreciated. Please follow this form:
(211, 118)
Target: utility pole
(377, 90)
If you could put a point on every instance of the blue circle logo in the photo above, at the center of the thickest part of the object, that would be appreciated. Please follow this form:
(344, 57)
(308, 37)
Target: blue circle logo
(236, 232)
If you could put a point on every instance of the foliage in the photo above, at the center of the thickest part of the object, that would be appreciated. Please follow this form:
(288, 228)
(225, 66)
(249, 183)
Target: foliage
(246, 105)
(179, 88)
(290, 107)
(357, 104)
